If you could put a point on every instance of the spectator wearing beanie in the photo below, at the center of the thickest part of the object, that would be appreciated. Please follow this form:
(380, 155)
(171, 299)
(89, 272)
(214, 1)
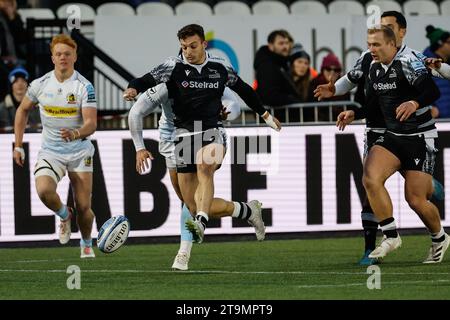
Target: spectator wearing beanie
(440, 48)
(301, 71)
(18, 79)
(331, 69)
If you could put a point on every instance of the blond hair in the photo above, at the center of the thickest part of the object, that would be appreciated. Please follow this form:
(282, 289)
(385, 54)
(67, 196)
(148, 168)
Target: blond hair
(388, 33)
(64, 39)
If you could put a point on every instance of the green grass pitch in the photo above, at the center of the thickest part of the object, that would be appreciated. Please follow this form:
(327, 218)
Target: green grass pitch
(273, 269)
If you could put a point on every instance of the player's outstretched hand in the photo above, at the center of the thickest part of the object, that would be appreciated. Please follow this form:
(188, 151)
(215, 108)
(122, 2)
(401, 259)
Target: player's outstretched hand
(19, 156)
(344, 118)
(143, 158)
(433, 63)
(324, 91)
(130, 94)
(271, 121)
(406, 109)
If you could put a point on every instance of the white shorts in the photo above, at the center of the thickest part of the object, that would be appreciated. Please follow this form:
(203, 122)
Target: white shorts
(55, 165)
(167, 150)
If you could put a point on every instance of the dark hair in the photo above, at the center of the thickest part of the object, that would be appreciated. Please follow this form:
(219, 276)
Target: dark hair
(282, 33)
(191, 30)
(388, 34)
(399, 17)
(302, 83)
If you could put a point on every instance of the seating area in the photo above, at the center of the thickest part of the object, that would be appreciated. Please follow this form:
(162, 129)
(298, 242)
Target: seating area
(234, 7)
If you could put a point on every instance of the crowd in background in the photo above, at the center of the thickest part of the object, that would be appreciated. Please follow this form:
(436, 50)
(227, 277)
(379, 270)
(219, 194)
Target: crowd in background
(284, 75)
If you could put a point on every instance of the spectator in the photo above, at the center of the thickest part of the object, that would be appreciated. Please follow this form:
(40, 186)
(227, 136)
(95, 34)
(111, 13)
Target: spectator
(275, 85)
(18, 79)
(331, 69)
(301, 71)
(440, 48)
(12, 34)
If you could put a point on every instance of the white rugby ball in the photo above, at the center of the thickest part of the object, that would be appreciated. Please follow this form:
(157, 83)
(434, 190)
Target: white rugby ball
(113, 234)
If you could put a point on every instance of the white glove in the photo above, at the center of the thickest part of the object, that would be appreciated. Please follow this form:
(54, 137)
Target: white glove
(21, 151)
(269, 121)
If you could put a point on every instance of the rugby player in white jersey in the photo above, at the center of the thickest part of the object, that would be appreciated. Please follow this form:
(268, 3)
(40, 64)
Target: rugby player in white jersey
(147, 103)
(68, 111)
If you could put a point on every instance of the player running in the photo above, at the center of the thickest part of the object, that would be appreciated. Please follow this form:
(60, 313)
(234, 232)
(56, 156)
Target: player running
(68, 112)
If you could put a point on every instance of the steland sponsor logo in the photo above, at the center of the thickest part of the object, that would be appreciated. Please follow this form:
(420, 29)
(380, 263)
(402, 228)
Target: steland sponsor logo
(200, 85)
(385, 86)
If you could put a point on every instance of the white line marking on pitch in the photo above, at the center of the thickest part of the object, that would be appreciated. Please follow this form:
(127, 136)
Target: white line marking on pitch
(221, 272)
(365, 284)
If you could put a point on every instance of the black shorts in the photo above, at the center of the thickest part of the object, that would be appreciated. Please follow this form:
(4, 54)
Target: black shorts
(370, 136)
(186, 147)
(414, 152)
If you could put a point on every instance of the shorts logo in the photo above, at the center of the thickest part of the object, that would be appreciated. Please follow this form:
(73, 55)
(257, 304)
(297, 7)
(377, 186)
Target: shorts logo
(185, 84)
(88, 161)
(71, 99)
(417, 161)
(380, 139)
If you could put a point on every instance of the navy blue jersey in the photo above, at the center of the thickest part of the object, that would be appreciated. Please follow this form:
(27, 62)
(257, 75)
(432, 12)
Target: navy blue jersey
(196, 90)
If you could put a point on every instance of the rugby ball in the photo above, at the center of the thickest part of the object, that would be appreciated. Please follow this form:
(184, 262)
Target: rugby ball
(113, 234)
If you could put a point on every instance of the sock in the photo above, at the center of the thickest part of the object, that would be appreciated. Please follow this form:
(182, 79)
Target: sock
(203, 218)
(241, 210)
(389, 227)
(86, 242)
(185, 246)
(63, 213)
(439, 236)
(186, 235)
(370, 234)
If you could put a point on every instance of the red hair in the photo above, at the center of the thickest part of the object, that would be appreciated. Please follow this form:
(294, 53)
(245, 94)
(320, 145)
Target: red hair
(64, 39)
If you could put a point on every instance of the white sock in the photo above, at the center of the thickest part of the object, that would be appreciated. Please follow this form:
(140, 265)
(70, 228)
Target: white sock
(437, 236)
(185, 246)
(203, 214)
(236, 210)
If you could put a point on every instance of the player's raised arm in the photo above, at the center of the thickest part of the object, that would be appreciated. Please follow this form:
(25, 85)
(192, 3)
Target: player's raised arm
(157, 75)
(139, 85)
(20, 123)
(252, 100)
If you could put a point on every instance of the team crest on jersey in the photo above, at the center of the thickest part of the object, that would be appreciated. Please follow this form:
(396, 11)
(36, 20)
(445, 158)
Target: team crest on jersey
(214, 74)
(88, 161)
(71, 99)
(393, 74)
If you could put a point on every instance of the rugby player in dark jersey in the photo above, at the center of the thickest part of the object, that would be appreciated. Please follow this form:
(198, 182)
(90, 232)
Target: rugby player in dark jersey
(374, 119)
(195, 81)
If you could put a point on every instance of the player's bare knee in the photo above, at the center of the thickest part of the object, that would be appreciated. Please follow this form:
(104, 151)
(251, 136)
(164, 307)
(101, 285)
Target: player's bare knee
(46, 195)
(83, 209)
(415, 202)
(370, 183)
